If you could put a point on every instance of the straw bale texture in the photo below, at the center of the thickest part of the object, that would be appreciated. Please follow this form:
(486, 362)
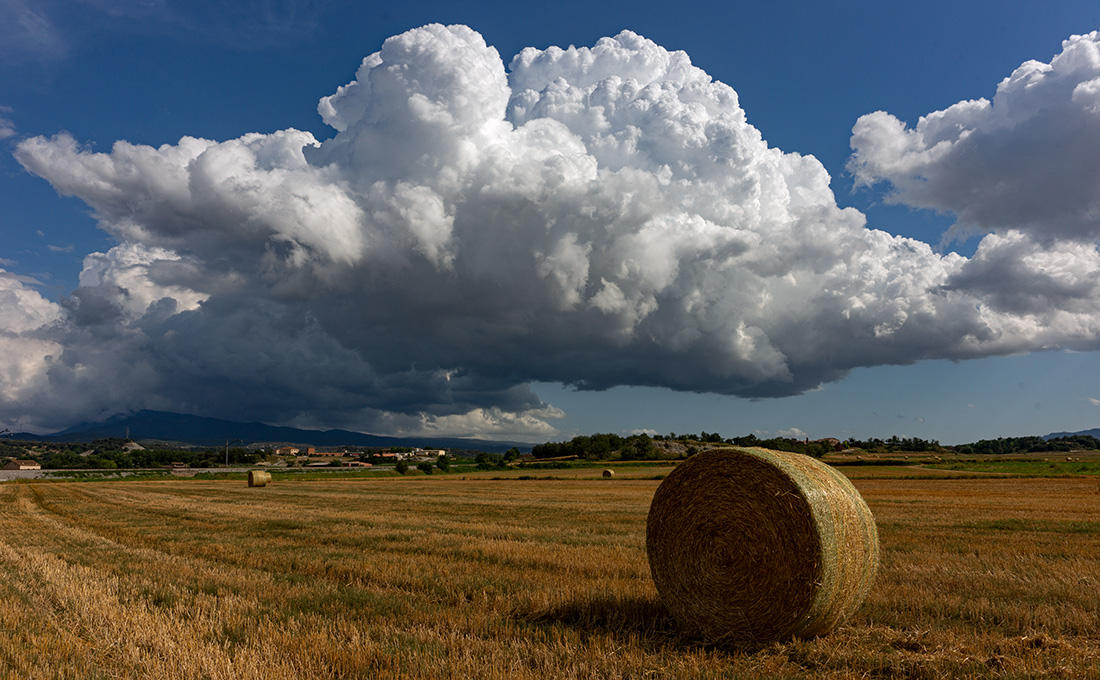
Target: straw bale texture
(258, 477)
(608, 473)
(751, 546)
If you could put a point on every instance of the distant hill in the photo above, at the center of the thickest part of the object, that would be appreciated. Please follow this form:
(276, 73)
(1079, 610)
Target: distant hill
(1094, 432)
(199, 431)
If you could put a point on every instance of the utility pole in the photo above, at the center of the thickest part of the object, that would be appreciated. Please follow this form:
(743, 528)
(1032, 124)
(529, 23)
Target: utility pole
(227, 443)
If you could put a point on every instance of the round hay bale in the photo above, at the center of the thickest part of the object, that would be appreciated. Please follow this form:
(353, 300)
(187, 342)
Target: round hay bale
(608, 473)
(751, 546)
(258, 477)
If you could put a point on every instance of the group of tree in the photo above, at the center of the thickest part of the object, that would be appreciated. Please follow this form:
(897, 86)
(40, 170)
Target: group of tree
(895, 443)
(817, 449)
(599, 447)
(488, 461)
(112, 453)
(1003, 445)
(426, 466)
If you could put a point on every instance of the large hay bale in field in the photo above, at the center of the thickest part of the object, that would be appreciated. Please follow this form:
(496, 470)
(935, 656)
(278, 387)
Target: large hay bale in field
(608, 473)
(258, 477)
(751, 546)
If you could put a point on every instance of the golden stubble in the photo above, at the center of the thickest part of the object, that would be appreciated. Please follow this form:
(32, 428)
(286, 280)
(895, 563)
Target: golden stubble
(480, 578)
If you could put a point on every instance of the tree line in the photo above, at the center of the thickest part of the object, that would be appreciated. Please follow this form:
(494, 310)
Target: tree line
(113, 453)
(644, 446)
(1004, 445)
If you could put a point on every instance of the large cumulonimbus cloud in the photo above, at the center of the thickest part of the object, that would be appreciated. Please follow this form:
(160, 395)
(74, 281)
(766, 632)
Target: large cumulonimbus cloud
(596, 216)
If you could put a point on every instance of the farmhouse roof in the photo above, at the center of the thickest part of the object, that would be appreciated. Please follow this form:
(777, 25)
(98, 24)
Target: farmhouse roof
(23, 465)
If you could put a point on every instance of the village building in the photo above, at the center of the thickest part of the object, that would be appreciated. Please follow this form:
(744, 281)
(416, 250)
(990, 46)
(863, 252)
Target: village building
(22, 465)
(286, 451)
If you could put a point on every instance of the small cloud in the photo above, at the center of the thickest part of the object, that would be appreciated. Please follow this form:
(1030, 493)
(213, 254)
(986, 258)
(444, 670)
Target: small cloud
(645, 431)
(1094, 402)
(919, 419)
(25, 280)
(7, 127)
(793, 433)
(5, 262)
(60, 249)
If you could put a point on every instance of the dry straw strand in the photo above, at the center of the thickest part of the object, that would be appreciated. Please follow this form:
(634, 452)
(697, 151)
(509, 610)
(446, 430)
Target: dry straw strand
(751, 546)
(258, 477)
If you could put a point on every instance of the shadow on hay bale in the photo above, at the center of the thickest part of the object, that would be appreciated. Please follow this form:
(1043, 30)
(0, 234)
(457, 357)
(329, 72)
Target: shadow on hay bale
(751, 546)
(258, 477)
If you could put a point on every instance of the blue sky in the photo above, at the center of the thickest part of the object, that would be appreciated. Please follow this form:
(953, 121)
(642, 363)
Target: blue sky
(151, 72)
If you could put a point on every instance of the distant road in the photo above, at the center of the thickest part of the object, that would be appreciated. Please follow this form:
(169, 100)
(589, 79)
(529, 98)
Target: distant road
(6, 475)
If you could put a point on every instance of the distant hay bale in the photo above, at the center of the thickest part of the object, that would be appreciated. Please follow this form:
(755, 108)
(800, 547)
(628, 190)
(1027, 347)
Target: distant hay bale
(608, 473)
(751, 546)
(258, 477)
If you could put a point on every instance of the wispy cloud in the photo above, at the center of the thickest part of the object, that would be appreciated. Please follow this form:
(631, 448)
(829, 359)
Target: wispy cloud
(7, 127)
(45, 31)
(16, 278)
(29, 33)
(1093, 401)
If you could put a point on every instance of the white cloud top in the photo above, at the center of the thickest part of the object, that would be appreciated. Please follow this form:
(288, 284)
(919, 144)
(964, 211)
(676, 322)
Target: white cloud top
(596, 216)
(1028, 160)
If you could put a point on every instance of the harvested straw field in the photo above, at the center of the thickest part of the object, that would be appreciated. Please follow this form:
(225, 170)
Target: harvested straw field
(441, 577)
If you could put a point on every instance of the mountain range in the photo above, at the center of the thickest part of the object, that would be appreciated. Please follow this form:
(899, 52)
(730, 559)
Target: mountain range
(177, 428)
(1094, 432)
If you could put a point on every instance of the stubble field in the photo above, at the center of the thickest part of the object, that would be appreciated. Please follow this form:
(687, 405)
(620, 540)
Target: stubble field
(445, 577)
